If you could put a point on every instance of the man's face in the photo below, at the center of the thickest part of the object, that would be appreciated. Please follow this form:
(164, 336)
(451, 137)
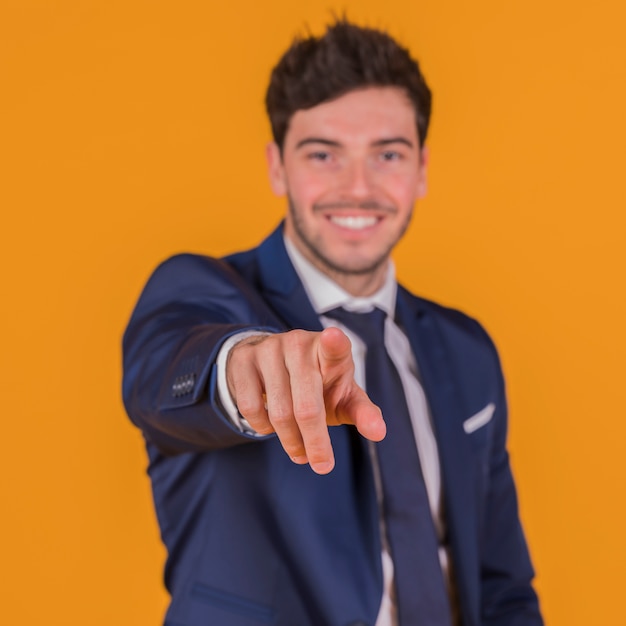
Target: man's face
(352, 169)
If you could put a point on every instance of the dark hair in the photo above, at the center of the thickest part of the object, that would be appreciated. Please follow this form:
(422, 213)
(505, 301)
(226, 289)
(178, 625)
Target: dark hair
(345, 58)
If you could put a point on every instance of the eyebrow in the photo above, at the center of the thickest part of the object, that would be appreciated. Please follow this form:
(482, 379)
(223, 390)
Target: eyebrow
(325, 142)
(391, 140)
(336, 144)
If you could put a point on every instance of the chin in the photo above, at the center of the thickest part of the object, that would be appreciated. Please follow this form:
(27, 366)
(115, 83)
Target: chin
(355, 267)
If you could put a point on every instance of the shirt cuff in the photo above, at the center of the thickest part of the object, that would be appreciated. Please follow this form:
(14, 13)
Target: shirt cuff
(223, 394)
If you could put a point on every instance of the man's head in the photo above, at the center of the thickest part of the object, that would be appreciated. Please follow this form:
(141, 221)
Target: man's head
(349, 112)
(347, 57)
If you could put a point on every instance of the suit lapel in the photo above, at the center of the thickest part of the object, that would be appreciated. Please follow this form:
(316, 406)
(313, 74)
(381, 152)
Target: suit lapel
(457, 466)
(282, 287)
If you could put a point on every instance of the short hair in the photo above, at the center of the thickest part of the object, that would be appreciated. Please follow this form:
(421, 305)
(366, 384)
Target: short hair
(347, 57)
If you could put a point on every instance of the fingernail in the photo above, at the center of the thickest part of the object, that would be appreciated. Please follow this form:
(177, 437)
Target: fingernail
(300, 460)
(322, 468)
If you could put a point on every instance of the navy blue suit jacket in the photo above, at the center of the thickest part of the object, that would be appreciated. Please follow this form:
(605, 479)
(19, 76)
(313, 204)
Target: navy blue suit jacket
(253, 538)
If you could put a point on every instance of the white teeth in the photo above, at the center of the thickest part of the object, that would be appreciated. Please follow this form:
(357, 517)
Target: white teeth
(354, 222)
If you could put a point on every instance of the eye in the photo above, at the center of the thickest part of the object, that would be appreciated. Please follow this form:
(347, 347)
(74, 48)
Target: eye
(390, 155)
(319, 155)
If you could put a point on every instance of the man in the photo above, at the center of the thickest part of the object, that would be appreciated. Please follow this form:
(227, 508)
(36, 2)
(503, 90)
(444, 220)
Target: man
(284, 495)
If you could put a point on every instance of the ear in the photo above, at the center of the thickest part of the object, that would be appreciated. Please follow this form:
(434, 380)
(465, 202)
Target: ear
(276, 170)
(422, 186)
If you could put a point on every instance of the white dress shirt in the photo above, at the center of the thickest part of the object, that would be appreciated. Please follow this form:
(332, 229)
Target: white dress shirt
(325, 295)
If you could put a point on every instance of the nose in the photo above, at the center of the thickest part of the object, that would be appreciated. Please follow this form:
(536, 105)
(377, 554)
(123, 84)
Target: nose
(358, 179)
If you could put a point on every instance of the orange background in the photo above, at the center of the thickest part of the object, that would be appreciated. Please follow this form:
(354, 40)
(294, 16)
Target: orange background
(132, 130)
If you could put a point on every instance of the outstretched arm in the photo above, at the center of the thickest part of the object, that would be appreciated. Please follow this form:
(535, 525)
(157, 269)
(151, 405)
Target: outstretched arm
(190, 306)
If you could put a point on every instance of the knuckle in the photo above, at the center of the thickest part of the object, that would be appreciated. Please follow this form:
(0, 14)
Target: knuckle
(298, 339)
(280, 416)
(246, 350)
(307, 414)
(241, 351)
(249, 407)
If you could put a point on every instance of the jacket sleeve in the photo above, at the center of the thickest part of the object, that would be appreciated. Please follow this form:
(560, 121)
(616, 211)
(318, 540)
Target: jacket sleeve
(189, 307)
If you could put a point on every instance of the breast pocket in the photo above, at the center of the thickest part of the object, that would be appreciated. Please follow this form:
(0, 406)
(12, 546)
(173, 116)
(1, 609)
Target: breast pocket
(480, 419)
(479, 431)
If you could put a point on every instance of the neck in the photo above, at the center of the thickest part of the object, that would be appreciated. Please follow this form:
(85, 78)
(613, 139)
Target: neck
(359, 285)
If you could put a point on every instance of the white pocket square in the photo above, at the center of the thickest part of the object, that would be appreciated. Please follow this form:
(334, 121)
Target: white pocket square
(480, 419)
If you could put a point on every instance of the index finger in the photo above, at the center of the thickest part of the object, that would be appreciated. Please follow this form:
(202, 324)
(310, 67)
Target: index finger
(360, 411)
(309, 411)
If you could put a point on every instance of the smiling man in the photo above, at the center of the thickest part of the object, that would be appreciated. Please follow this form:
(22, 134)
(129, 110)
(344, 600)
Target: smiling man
(327, 449)
(352, 169)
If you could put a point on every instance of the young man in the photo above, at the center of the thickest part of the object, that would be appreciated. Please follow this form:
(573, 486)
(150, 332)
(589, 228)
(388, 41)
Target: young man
(286, 494)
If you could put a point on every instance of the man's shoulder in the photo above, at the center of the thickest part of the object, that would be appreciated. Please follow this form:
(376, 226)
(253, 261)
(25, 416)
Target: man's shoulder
(235, 268)
(456, 325)
(186, 272)
(197, 280)
(424, 306)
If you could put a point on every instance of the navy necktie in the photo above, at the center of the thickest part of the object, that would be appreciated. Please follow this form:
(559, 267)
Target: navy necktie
(422, 599)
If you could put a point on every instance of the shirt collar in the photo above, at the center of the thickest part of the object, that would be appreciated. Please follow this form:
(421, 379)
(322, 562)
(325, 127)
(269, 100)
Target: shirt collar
(325, 294)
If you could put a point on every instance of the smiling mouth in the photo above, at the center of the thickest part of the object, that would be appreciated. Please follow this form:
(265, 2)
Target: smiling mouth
(354, 222)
